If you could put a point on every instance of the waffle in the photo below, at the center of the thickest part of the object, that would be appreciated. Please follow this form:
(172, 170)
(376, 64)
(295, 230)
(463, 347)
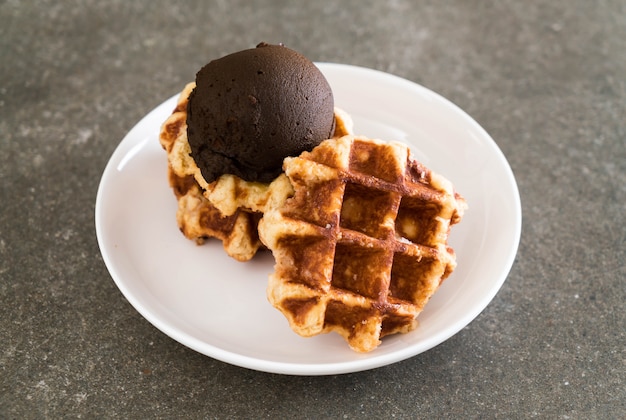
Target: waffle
(229, 208)
(361, 246)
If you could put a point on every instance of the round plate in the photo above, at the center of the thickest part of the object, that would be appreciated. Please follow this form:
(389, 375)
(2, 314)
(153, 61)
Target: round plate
(217, 306)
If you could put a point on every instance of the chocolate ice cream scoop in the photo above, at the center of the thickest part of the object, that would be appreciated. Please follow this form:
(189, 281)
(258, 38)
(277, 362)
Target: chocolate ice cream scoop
(251, 109)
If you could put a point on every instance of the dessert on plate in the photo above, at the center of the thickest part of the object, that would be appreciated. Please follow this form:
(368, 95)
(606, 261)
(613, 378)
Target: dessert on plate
(361, 246)
(268, 103)
(260, 157)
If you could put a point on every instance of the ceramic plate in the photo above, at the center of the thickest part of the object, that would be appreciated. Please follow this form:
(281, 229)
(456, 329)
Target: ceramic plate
(217, 306)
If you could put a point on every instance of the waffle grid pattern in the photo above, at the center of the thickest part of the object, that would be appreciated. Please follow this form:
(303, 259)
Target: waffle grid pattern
(362, 245)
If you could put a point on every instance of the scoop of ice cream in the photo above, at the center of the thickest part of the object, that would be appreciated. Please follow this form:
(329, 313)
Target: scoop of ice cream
(251, 109)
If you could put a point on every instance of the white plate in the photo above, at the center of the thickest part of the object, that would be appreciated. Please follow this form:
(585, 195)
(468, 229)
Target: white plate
(217, 306)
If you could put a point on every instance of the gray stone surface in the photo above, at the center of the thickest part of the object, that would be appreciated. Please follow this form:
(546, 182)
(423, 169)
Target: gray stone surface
(547, 79)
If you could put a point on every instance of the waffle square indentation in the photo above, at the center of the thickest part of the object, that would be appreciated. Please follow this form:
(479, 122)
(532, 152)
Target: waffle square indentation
(377, 160)
(362, 270)
(414, 278)
(368, 210)
(418, 221)
(307, 260)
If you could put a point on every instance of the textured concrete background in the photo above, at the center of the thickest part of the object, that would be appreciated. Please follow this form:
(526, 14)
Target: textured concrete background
(547, 79)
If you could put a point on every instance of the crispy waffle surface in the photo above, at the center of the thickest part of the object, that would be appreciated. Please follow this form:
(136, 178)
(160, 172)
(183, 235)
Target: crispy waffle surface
(229, 208)
(361, 245)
